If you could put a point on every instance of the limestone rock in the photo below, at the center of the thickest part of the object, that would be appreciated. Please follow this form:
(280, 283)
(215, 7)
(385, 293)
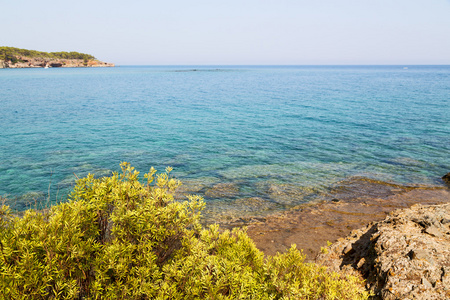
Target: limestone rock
(406, 256)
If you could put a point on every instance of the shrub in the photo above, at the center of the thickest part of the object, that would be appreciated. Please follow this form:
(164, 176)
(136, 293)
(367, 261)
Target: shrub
(118, 238)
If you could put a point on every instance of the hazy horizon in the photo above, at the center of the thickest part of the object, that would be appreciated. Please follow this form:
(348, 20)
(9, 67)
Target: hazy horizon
(264, 32)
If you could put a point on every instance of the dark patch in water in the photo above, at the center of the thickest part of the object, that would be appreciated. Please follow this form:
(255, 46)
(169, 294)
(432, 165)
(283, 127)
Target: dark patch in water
(357, 188)
(200, 70)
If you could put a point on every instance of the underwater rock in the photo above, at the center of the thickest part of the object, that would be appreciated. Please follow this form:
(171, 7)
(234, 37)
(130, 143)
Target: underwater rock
(356, 189)
(223, 190)
(285, 193)
(311, 224)
(33, 199)
(255, 204)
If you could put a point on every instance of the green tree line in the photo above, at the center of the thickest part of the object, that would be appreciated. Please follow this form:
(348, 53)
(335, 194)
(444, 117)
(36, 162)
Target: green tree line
(12, 54)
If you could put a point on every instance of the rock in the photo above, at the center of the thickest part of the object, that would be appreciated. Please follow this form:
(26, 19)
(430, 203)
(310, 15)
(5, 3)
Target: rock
(286, 194)
(434, 231)
(223, 190)
(312, 224)
(405, 256)
(426, 283)
(189, 187)
(446, 179)
(255, 204)
(38, 62)
(361, 263)
(446, 277)
(347, 249)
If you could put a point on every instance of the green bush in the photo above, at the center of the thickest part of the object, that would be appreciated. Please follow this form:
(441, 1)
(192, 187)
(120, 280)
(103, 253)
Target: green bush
(118, 238)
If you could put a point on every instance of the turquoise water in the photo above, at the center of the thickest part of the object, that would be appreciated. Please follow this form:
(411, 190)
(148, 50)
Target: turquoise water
(273, 137)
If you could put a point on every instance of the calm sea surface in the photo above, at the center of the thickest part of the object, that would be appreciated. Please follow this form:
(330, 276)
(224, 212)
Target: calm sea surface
(252, 139)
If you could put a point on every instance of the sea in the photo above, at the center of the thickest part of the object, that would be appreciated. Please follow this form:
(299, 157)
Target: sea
(249, 139)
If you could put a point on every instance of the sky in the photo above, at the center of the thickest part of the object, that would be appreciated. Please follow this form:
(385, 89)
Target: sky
(234, 32)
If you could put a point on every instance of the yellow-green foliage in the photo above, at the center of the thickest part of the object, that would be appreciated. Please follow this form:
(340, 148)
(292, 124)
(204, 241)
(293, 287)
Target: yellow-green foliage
(118, 238)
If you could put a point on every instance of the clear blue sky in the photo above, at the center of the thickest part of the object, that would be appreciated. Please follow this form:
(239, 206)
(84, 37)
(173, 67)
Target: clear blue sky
(234, 31)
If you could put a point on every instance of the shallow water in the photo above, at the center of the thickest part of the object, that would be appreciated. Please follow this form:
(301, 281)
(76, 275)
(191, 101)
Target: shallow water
(268, 137)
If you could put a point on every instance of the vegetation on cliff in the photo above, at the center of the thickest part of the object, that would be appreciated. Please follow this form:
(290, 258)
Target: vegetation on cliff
(13, 54)
(119, 238)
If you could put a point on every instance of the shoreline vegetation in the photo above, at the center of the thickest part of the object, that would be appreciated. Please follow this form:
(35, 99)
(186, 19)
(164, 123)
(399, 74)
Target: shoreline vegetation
(119, 238)
(11, 57)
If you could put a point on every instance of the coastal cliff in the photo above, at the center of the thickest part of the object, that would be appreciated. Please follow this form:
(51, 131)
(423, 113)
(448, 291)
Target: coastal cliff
(11, 57)
(27, 62)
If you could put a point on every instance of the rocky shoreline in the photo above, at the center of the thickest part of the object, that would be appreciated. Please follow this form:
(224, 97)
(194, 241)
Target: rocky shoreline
(405, 256)
(404, 252)
(39, 62)
(310, 226)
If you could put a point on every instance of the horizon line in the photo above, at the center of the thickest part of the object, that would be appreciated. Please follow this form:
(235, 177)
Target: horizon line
(284, 65)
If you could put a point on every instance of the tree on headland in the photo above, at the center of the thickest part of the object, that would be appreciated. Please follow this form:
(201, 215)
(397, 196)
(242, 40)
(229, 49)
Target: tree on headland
(12, 54)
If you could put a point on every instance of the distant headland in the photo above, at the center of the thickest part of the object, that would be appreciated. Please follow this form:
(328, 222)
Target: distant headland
(11, 57)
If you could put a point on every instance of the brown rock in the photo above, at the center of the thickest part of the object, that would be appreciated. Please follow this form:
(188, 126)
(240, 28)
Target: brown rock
(446, 179)
(311, 225)
(37, 62)
(406, 256)
(223, 190)
(434, 232)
